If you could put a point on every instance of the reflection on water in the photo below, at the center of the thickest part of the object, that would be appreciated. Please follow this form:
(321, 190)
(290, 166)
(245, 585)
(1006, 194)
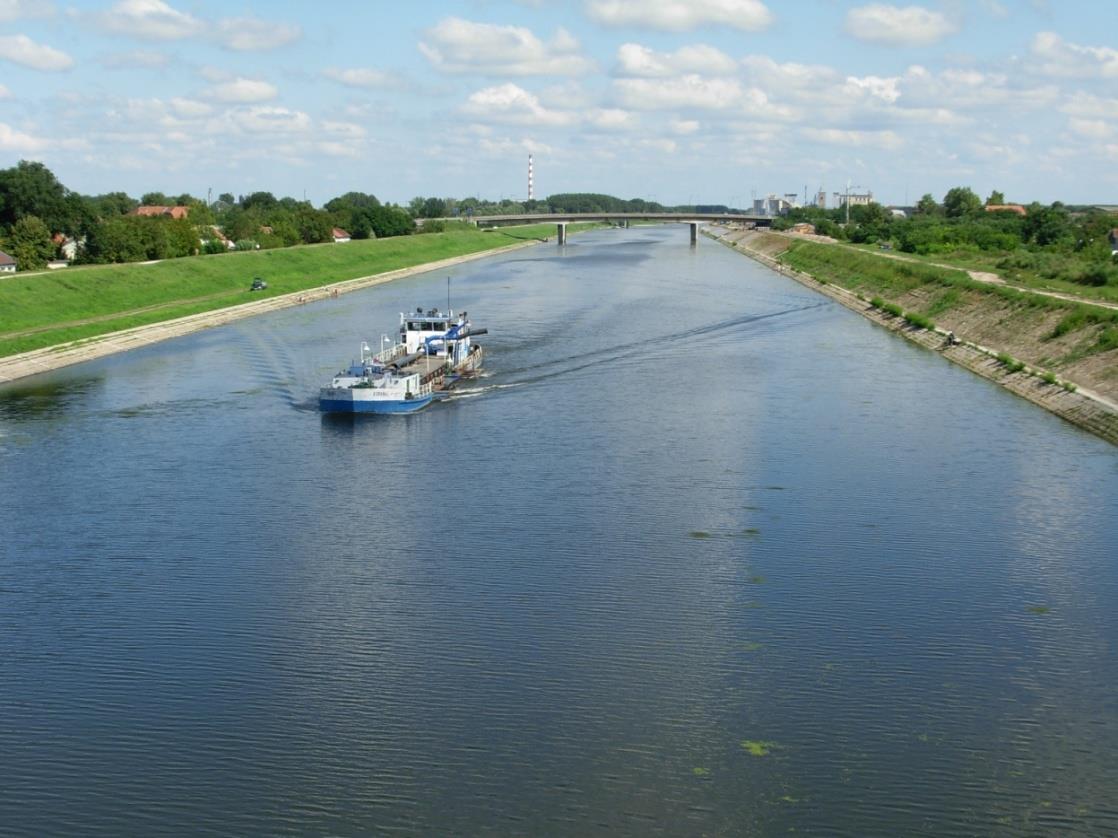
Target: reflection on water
(45, 396)
(701, 553)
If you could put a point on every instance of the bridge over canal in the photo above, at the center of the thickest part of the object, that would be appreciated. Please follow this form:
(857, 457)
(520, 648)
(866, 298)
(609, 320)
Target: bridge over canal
(561, 220)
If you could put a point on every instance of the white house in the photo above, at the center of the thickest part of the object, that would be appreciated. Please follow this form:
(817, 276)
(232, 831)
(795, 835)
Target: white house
(340, 235)
(7, 263)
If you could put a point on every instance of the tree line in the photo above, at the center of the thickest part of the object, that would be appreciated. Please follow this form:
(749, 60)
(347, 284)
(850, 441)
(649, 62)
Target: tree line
(35, 207)
(1052, 240)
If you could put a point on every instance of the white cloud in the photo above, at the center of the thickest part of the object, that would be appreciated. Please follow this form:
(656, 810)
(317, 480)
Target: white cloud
(1095, 129)
(145, 59)
(1058, 57)
(15, 9)
(360, 77)
(970, 89)
(876, 86)
(611, 119)
(13, 140)
(19, 49)
(504, 147)
(887, 140)
(788, 78)
(190, 108)
(150, 19)
(333, 148)
(898, 26)
(247, 34)
(271, 120)
(5, 93)
(243, 91)
(681, 15)
(461, 46)
(686, 92)
(637, 60)
(512, 104)
(1089, 106)
(348, 130)
(683, 127)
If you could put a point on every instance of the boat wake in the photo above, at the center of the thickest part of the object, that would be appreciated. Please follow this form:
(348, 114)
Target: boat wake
(650, 346)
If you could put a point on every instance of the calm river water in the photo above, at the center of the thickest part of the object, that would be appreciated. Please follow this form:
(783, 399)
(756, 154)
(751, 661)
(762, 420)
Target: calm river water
(704, 553)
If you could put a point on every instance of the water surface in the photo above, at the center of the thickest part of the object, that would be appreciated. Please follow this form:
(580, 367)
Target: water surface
(703, 553)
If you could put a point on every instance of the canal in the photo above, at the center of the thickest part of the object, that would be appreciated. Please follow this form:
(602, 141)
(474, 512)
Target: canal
(702, 553)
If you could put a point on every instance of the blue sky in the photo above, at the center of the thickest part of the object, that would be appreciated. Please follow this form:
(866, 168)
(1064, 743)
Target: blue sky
(677, 101)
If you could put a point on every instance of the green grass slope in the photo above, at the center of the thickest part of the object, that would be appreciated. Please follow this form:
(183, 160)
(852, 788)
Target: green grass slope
(39, 310)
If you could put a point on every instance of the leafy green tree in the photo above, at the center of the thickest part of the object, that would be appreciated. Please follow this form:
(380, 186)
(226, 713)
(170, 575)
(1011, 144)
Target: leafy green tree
(260, 200)
(156, 199)
(110, 204)
(182, 236)
(30, 243)
(32, 189)
(996, 199)
(388, 221)
(927, 206)
(314, 225)
(433, 208)
(1047, 226)
(227, 198)
(961, 201)
(115, 240)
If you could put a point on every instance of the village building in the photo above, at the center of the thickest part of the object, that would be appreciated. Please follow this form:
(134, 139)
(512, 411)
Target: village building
(1016, 208)
(157, 212)
(8, 263)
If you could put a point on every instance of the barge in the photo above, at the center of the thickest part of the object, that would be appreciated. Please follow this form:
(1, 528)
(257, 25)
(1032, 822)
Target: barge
(432, 353)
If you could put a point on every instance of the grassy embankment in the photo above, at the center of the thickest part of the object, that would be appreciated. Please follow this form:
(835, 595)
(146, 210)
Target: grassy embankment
(46, 309)
(1026, 269)
(1076, 340)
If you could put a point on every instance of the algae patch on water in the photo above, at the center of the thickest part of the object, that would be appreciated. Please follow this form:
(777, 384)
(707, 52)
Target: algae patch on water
(699, 771)
(1039, 609)
(757, 748)
(699, 534)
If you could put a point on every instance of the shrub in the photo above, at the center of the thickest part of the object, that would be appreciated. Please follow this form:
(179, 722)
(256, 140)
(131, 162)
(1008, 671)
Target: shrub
(1010, 363)
(919, 320)
(893, 309)
(1095, 276)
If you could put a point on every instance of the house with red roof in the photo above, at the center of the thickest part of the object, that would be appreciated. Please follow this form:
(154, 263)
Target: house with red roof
(1017, 208)
(156, 212)
(340, 235)
(8, 263)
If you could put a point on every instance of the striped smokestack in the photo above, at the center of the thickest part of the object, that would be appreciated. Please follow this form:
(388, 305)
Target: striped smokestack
(530, 193)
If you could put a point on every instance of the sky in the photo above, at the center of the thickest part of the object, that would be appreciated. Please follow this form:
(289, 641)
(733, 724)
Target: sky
(676, 101)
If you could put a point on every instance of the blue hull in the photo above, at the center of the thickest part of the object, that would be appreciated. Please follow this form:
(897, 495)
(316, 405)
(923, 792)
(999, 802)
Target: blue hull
(386, 407)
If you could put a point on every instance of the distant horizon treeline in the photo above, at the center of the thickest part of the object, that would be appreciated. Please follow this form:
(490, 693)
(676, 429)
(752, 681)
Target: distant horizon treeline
(38, 214)
(1053, 240)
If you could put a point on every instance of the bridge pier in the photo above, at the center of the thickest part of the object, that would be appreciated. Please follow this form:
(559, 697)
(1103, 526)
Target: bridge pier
(561, 232)
(694, 225)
